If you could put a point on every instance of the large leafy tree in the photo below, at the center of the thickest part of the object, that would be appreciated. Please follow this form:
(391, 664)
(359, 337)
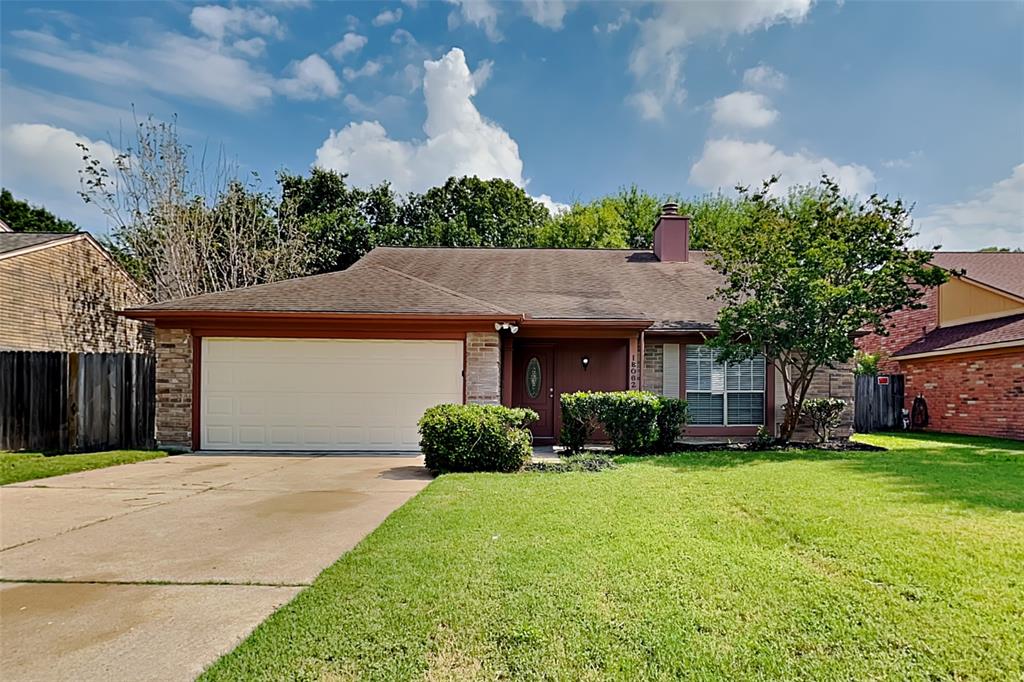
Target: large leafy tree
(21, 216)
(468, 211)
(805, 273)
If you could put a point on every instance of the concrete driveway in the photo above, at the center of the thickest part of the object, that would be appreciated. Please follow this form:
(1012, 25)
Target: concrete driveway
(150, 571)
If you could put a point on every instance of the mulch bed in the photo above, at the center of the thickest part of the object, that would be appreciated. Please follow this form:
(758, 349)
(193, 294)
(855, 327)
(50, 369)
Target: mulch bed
(830, 446)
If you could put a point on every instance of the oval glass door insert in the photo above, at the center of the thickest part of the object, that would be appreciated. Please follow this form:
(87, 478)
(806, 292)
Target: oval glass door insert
(533, 378)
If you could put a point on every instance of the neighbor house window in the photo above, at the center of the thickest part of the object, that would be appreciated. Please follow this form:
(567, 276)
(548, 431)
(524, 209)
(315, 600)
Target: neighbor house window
(724, 394)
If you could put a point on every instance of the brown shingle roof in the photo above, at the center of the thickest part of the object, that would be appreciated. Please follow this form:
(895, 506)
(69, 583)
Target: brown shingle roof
(966, 336)
(16, 241)
(598, 284)
(1003, 271)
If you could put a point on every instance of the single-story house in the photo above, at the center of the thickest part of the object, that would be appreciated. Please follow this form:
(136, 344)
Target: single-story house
(964, 351)
(62, 291)
(350, 360)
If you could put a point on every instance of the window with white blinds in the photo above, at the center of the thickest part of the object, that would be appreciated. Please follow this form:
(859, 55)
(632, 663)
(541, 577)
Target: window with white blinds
(724, 394)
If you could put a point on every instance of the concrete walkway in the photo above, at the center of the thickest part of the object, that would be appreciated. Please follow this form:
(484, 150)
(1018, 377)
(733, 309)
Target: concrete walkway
(151, 571)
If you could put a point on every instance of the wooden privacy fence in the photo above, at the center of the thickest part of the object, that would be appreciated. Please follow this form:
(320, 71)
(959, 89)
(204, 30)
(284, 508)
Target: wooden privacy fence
(76, 401)
(878, 406)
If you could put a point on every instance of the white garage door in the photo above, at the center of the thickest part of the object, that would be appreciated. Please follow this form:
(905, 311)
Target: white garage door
(322, 394)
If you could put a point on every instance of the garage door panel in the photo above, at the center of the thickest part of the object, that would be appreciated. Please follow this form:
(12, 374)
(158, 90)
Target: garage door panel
(323, 394)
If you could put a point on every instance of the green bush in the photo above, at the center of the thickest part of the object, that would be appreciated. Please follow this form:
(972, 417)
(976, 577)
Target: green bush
(476, 438)
(630, 418)
(672, 417)
(825, 415)
(579, 418)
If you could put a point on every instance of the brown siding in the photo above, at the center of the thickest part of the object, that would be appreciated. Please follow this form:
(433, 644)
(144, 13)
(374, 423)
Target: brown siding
(174, 388)
(66, 298)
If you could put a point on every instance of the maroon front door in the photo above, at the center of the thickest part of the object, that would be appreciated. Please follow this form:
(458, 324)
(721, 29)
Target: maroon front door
(533, 386)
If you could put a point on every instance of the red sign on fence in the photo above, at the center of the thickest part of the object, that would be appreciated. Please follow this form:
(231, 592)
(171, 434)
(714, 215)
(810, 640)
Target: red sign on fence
(883, 381)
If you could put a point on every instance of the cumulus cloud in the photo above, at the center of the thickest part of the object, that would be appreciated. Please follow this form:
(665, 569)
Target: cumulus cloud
(217, 21)
(993, 217)
(349, 43)
(554, 207)
(743, 110)
(764, 77)
(547, 13)
(481, 13)
(615, 26)
(369, 69)
(253, 47)
(459, 140)
(311, 78)
(657, 59)
(41, 164)
(726, 163)
(387, 17)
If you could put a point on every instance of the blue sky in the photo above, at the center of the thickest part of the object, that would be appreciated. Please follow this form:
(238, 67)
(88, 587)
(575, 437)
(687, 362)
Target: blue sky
(571, 100)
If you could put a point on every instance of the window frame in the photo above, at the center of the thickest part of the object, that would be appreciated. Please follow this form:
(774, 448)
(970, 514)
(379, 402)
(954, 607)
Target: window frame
(763, 391)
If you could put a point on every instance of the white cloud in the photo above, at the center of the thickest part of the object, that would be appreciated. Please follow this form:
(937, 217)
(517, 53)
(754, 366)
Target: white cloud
(40, 163)
(743, 110)
(370, 68)
(481, 13)
(459, 140)
(311, 78)
(905, 162)
(384, 106)
(764, 77)
(547, 13)
(482, 73)
(217, 22)
(994, 217)
(349, 43)
(659, 54)
(554, 207)
(253, 47)
(194, 68)
(615, 26)
(29, 105)
(387, 17)
(726, 163)
(402, 36)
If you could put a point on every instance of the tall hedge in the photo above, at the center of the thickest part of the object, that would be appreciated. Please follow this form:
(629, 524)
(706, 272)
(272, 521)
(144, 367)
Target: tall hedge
(635, 421)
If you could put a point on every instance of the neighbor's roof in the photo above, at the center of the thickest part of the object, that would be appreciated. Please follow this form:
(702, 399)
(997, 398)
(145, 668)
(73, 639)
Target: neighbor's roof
(966, 337)
(18, 241)
(999, 270)
(557, 284)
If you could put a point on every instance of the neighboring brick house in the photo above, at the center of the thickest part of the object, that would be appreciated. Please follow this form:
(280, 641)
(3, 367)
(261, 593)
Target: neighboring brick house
(62, 292)
(964, 352)
(349, 360)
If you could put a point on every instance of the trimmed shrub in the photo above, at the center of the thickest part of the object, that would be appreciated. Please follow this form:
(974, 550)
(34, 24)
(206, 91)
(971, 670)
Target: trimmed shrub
(476, 438)
(630, 418)
(579, 418)
(672, 417)
(825, 415)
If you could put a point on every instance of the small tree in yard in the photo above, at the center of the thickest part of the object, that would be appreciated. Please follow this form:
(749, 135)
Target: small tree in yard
(805, 273)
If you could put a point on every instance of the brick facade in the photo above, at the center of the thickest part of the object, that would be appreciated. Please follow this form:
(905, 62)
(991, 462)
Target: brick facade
(65, 297)
(653, 379)
(835, 382)
(483, 368)
(905, 327)
(978, 394)
(174, 388)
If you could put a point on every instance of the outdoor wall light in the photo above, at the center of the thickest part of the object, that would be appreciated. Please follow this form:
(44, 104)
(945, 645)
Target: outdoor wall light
(586, 362)
(498, 326)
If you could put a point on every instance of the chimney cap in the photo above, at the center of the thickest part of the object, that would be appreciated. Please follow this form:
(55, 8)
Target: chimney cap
(670, 208)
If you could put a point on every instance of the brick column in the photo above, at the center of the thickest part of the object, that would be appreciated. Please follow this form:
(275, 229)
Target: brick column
(174, 388)
(483, 368)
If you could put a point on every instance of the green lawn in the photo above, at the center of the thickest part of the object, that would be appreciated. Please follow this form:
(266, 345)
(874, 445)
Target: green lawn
(26, 466)
(906, 564)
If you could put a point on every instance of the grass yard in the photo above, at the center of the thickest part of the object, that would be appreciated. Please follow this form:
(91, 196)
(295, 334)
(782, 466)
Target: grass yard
(906, 564)
(26, 466)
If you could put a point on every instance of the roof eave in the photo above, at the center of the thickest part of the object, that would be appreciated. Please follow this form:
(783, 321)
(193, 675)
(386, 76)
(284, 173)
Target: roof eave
(960, 349)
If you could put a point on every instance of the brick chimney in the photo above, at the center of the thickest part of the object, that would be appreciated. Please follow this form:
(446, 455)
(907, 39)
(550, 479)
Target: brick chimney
(672, 235)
